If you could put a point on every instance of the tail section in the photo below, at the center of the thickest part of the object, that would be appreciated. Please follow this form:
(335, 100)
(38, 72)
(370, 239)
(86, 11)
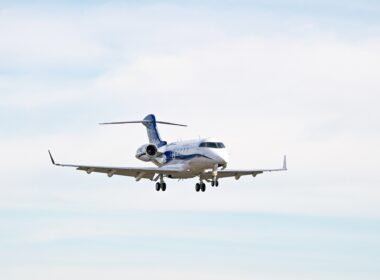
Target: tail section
(151, 127)
(150, 123)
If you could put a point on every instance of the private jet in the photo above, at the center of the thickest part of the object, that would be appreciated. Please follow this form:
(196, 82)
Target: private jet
(205, 159)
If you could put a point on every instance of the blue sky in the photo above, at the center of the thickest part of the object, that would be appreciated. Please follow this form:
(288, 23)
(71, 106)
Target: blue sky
(267, 77)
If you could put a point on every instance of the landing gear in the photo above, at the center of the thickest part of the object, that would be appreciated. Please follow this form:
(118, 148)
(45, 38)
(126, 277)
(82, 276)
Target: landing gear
(215, 183)
(160, 186)
(200, 187)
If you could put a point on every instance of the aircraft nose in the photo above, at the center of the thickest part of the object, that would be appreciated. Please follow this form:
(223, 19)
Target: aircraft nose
(222, 157)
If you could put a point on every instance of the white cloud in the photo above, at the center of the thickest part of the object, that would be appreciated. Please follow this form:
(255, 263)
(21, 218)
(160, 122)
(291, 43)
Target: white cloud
(325, 163)
(265, 83)
(313, 97)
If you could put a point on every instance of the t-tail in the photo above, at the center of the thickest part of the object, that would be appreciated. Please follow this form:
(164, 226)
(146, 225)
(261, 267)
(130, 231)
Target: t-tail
(150, 123)
(151, 128)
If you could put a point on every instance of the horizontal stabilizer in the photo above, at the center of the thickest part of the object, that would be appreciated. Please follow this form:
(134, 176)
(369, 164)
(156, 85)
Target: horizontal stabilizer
(143, 122)
(150, 123)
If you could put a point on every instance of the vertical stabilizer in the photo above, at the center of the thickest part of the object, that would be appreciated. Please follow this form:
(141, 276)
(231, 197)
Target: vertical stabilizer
(150, 123)
(151, 128)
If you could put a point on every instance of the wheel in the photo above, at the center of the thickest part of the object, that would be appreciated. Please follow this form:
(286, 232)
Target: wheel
(212, 183)
(163, 187)
(158, 186)
(217, 183)
(203, 187)
(197, 187)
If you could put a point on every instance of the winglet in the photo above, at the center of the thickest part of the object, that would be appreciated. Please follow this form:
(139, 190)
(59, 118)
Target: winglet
(284, 164)
(51, 158)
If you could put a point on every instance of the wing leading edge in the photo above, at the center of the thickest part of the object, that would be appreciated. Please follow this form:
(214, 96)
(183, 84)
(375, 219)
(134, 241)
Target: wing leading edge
(238, 173)
(137, 172)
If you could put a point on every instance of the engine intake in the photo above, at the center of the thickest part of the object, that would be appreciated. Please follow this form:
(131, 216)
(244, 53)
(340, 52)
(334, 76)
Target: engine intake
(151, 150)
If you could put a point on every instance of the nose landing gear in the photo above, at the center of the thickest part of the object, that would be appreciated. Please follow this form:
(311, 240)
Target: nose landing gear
(215, 183)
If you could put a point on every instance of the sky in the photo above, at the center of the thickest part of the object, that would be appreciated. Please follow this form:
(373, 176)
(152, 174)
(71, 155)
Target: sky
(269, 78)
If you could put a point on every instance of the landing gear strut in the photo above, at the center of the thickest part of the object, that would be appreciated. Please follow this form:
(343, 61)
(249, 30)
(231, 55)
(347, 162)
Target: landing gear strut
(214, 181)
(161, 185)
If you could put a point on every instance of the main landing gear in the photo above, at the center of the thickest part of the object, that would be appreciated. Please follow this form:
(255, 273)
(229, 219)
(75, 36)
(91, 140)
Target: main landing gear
(160, 186)
(200, 187)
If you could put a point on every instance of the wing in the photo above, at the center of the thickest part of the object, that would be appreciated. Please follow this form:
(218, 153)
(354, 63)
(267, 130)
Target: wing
(238, 173)
(137, 172)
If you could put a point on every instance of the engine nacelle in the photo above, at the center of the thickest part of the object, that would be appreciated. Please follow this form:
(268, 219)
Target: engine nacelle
(147, 152)
(151, 150)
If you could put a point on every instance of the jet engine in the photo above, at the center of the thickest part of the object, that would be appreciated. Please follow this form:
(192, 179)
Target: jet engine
(148, 152)
(151, 150)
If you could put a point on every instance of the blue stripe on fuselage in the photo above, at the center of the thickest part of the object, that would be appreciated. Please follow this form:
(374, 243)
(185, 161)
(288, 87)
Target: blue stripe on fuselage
(170, 155)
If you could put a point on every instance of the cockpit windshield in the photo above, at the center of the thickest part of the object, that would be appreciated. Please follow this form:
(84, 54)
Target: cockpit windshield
(216, 145)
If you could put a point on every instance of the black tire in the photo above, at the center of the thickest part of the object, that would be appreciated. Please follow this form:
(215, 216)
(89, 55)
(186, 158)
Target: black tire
(217, 183)
(203, 187)
(197, 187)
(158, 186)
(212, 183)
(163, 187)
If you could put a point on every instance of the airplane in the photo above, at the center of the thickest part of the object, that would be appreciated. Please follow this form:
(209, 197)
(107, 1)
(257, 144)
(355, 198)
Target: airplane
(203, 158)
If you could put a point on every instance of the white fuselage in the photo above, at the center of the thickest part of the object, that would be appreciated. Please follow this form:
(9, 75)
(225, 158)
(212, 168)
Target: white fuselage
(195, 155)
